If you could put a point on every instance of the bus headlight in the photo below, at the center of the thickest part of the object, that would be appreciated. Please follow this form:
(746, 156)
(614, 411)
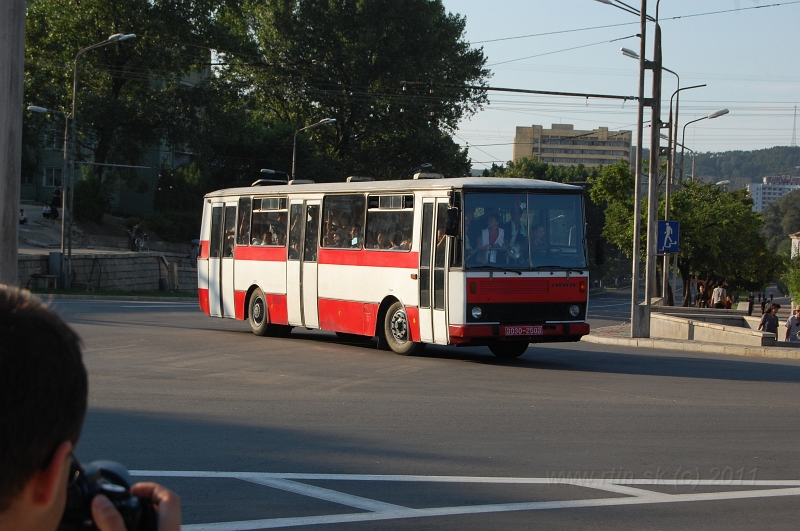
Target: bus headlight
(477, 312)
(574, 310)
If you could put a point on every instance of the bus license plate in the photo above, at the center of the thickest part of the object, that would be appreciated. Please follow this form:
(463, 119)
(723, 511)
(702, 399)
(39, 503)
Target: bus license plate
(523, 330)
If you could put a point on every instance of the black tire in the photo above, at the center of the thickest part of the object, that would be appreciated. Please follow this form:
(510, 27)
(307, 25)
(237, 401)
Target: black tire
(396, 332)
(257, 313)
(508, 349)
(258, 317)
(352, 338)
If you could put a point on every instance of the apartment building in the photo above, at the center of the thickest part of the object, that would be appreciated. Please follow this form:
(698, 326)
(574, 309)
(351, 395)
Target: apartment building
(563, 145)
(771, 189)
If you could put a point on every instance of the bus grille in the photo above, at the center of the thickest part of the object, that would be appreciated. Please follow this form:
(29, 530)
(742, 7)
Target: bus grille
(537, 312)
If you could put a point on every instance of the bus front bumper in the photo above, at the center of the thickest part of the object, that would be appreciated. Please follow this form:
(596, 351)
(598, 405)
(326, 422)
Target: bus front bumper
(481, 334)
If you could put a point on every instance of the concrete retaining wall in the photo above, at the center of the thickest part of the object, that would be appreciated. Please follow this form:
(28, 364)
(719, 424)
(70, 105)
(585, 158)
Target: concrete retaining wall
(116, 271)
(735, 330)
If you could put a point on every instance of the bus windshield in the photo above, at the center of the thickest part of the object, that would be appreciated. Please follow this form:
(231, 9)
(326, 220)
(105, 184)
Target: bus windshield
(523, 231)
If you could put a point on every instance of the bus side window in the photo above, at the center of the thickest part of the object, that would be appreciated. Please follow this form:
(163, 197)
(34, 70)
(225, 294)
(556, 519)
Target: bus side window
(243, 236)
(343, 221)
(295, 231)
(390, 222)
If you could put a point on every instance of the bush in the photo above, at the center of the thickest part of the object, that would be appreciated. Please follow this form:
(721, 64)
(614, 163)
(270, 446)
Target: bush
(174, 225)
(90, 200)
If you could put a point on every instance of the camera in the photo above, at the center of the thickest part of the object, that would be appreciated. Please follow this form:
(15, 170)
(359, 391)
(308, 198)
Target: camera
(112, 480)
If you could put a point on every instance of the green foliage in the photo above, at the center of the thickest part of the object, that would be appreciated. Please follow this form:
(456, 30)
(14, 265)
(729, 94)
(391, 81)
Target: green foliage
(791, 278)
(721, 238)
(781, 219)
(91, 199)
(750, 165)
(175, 225)
(347, 60)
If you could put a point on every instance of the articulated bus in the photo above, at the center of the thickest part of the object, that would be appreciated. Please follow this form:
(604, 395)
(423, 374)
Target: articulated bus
(457, 261)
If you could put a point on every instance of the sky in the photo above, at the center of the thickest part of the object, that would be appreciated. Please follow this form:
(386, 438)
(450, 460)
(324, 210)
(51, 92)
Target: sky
(747, 58)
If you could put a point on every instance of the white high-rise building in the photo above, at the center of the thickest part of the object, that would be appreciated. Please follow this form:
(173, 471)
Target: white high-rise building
(771, 189)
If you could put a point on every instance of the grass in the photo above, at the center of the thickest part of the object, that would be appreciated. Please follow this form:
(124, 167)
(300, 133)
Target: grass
(117, 293)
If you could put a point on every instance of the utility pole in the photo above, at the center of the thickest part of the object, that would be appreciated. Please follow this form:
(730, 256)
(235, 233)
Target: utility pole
(12, 59)
(652, 199)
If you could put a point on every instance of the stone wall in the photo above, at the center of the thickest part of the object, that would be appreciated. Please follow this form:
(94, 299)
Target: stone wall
(116, 271)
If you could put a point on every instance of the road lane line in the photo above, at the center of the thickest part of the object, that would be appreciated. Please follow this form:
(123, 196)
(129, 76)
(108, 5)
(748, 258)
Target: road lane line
(385, 511)
(273, 523)
(312, 491)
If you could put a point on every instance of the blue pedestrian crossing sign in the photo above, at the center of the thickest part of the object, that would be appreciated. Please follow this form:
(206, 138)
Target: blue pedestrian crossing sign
(668, 236)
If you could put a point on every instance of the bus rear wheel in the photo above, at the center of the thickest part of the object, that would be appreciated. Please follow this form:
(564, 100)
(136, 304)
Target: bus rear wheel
(258, 317)
(397, 333)
(508, 349)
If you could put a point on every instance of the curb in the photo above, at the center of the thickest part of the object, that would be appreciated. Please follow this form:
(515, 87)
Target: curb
(688, 346)
(145, 298)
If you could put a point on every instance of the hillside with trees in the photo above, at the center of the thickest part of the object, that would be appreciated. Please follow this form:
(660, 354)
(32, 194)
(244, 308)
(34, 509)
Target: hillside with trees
(746, 165)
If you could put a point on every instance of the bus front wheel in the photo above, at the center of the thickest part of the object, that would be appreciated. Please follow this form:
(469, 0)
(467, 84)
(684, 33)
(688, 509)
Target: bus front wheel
(397, 333)
(258, 317)
(508, 349)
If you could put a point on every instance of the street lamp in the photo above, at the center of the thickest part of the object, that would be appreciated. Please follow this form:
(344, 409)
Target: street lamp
(44, 110)
(715, 114)
(117, 37)
(294, 144)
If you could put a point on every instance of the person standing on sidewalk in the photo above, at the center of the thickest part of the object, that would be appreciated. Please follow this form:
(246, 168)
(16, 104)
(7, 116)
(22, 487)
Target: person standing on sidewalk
(793, 327)
(769, 321)
(718, 297)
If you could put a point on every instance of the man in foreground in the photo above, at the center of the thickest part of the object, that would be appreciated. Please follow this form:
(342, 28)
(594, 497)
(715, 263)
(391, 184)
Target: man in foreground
(43, 399)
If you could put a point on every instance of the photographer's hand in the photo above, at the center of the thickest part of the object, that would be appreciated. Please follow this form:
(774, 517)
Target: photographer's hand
(167, 503)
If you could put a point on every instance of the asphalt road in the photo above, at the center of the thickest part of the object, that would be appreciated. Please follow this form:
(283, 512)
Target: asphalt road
(310, 431)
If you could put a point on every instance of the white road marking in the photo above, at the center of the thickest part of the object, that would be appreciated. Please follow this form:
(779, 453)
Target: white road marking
(592, 305)
(321, 493)
(379, 510)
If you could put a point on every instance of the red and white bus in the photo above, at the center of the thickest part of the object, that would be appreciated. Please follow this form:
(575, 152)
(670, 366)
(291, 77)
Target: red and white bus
(458, 261)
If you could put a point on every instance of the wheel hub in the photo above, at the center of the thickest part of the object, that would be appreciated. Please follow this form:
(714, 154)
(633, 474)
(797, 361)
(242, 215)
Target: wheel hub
(399, 326)
(258, 311)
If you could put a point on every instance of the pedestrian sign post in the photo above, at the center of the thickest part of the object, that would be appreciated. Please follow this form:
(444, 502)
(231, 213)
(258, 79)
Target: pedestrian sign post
(668, 236)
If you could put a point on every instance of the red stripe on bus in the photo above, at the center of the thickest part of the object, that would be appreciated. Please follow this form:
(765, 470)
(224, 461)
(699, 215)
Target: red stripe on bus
(344, 316)
(203, 249)
(202, 295)
(412, 314)
(368, 257)
(524, 290)
(278, 312)
(266, 254)
(238, 304)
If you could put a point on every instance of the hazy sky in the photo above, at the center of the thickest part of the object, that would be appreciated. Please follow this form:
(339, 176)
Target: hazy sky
(748, 59)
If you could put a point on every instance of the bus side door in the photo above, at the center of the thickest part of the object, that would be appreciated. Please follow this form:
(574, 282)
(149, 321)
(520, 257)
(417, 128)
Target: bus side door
(433, 258)
(220, 260)
(301, 267)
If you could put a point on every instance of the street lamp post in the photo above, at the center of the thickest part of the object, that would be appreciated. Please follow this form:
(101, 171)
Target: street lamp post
(117, 37)
(294, 144)
(34, 108)
(715, 114)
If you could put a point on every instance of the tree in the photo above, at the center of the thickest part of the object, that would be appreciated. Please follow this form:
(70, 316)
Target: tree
(781, 219)
(348, 60)
(721, 239)
(131, 94)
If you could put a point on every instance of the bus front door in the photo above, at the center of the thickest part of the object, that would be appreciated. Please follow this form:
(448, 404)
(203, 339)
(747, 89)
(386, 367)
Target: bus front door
(301, 270)
(220, 260)
(433, 272)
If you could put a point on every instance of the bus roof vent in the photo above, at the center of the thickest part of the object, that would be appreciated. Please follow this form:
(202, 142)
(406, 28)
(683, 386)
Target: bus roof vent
(301, 181)
(422, 175)
(267, 182)
(357, 179)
